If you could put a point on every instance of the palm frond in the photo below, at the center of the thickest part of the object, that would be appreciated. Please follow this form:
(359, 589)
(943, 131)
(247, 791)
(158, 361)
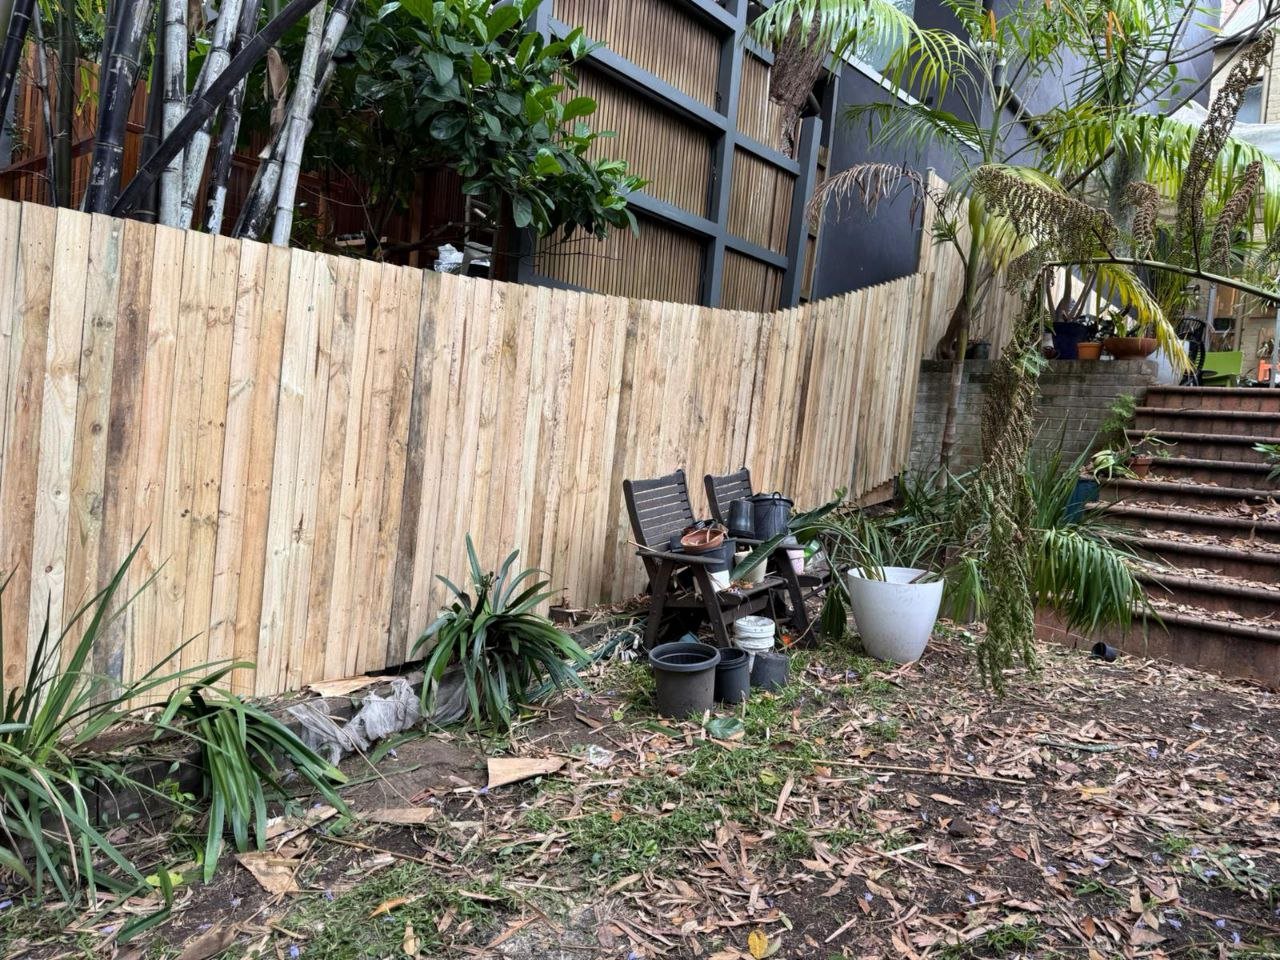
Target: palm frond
(843, 26)
(1126, 289)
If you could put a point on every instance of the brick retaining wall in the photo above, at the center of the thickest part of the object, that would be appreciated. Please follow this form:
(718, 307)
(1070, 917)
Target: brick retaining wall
(1074, 399)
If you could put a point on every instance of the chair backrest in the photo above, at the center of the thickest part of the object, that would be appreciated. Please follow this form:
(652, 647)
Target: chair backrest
(658, 508)
(722, 491)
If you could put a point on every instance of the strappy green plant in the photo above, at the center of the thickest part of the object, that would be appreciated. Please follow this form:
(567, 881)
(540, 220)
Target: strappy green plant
(52, 774)
(239, 745)
(503, 646)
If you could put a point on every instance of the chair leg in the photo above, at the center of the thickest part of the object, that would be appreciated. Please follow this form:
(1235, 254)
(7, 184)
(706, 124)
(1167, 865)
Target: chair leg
(709, 600)
(660, 582)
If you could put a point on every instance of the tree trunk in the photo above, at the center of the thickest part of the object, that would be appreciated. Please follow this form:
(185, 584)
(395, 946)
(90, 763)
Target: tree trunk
(64, 107)
(175, 105)
(119, 77)
(219, 56)
(960, 320)
(19, 21)
(229, 126)
(303, 96)
(203, 107)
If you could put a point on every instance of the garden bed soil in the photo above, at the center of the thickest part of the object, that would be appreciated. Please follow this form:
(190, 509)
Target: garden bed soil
(1098, 810)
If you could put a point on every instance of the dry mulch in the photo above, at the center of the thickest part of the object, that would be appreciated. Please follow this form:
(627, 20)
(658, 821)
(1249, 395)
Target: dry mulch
(1096, 811)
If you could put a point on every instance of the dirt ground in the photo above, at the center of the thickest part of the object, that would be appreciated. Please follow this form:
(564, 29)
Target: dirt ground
(1096, 811)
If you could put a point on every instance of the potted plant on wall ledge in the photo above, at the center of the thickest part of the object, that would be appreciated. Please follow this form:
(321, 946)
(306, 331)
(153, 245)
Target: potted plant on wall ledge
(1127, 339)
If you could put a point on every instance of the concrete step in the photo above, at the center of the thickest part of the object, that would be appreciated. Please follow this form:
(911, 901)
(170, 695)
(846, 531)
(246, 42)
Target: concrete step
(1203, 495)
(1260, 423)
(1214, 398)
(1151, 520)
(1218, 556)
(1225, 473)
(1204, 593)
(1237, 448)
(1197, 639)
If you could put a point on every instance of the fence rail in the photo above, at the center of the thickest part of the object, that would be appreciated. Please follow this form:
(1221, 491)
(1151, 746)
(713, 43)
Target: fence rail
(305, 440)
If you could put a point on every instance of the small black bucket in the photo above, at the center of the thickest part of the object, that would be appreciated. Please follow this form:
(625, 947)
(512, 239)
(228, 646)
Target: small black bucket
(770, 515)
(742, 519)
(770, 670)
(684, 676)
(733, 676)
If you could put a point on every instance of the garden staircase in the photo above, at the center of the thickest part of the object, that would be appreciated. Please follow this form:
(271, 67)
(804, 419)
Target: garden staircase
(1208, 519)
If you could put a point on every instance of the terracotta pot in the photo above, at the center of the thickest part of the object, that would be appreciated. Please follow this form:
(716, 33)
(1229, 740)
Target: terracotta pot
(1088, 350)
(1128, 347)
(1141, 466)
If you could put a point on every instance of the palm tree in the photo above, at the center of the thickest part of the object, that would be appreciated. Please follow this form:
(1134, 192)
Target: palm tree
(963, 97)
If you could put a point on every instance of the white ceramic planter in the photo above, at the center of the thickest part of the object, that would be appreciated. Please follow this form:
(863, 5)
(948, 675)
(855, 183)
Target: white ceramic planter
(894, 616)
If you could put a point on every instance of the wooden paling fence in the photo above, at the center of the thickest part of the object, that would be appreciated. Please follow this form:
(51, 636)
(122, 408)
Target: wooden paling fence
(301, 442)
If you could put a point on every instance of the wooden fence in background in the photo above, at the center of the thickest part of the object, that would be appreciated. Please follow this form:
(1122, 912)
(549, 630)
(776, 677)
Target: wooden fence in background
(305, 440)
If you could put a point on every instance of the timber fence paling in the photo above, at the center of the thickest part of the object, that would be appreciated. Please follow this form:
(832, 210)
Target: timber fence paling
(306, 440)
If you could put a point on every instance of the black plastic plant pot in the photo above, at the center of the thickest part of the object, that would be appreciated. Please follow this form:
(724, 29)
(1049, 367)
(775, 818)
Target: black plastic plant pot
(1104, 651)
(723, 556)
(770, 671)
(684, 678)
(733, 676)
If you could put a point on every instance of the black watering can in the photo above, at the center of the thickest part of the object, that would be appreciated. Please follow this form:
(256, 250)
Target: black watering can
(770, 515)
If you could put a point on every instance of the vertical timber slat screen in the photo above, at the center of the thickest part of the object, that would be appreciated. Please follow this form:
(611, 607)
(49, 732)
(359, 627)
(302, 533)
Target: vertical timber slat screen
(306, 440)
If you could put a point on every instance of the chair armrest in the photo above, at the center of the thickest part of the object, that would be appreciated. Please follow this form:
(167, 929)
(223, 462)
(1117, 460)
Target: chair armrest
(693, 559)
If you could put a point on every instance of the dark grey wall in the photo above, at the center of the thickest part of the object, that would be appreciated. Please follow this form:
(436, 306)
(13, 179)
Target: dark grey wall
(856, 250)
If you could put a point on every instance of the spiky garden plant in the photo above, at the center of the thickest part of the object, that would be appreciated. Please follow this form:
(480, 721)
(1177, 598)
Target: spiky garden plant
(239, 746)
(51, 774)
(502, 645)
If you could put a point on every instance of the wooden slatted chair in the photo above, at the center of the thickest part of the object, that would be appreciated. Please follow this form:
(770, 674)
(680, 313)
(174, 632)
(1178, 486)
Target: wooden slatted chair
(659, 508)
(722, 491)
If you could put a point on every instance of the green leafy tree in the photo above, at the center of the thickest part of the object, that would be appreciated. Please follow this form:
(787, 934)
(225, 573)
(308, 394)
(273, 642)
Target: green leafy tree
(463, 84)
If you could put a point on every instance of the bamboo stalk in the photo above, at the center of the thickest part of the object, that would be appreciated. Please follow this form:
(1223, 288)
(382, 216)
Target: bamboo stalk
(42, 85)
(19, 21)
(175, 103)
(120, 75)
(303, 96)
(64, 107)
(267, 178)
(153, 128)
(197, 152)
(204, 106)
(229, 125)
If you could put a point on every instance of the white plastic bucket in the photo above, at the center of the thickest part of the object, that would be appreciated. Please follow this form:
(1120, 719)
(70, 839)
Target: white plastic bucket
(719, 580)
(756, 573)
(754, 635)
(796, 555)
(894, 616)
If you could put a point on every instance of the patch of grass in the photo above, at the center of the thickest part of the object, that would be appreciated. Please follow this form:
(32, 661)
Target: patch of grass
(652, 818)
(26, 926)
(1007, 940)
(841, 838)
(636, 840)
(885, 730)
(342, 929)
(1092, 886)
(793, 844)
(1174, 844)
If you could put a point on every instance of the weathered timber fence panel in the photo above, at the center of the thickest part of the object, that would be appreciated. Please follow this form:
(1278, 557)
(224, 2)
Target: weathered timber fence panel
(306, 440)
